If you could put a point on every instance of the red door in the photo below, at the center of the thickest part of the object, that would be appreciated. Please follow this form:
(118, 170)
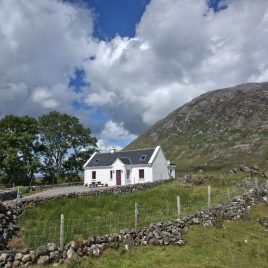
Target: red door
(118, 177)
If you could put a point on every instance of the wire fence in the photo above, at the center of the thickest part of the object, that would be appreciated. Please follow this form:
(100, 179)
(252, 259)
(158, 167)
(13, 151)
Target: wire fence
(40, 233)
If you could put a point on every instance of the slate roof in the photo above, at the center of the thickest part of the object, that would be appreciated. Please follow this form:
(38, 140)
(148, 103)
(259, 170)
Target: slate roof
(127, 157)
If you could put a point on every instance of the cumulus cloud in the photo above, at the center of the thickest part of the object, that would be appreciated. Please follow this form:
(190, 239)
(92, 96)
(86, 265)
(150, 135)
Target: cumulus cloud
(115, 134)
(42, 42)
(181, 49)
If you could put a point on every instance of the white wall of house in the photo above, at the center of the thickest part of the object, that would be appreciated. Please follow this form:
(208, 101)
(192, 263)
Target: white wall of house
(135, 174)
(102, 174)
(159, 167)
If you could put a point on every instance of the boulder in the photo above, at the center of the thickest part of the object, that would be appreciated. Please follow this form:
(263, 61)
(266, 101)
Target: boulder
(43, 260)
(71, 254)
(26, 258)
(51, 247)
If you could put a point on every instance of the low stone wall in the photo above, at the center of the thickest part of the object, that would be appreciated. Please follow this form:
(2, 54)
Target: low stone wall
(162, 233)
(8, 195)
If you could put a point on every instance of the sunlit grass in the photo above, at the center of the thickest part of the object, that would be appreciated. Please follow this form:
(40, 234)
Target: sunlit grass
(111, 213)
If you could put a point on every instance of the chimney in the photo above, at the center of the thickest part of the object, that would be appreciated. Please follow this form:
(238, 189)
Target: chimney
(112, 149)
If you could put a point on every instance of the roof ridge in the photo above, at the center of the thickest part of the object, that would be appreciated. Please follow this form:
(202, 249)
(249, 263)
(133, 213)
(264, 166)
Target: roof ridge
(153, 148)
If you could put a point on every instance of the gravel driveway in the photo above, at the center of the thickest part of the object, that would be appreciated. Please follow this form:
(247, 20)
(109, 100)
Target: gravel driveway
(60, 191)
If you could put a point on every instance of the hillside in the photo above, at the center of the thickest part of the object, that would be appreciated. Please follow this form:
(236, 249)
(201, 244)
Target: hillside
(217, 130)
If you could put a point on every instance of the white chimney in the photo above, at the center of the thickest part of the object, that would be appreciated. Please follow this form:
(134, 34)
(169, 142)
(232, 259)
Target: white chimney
(112, 150)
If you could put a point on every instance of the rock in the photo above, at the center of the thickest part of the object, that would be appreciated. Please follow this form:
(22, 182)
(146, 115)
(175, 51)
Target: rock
(32, 255)
(181, 242)
(18, 256)
(195, 220)
(3, 256)
(95, 251)
(43, 259)
(166, 241)
(26, 258)
(8, 265)
(42, 250)
(71, 254)
(73, 245)
(157, 234)
(51, 247)
(129, 243)
(54, 254)
(255, 167)
(16, 263)
(263, 222)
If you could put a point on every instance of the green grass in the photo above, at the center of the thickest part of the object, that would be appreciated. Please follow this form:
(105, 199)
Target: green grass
(25, 190)
(212, 247)
(111, 213)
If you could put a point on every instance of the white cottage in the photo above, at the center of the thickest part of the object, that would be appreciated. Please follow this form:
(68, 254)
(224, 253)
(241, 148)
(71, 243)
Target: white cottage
(128, 167)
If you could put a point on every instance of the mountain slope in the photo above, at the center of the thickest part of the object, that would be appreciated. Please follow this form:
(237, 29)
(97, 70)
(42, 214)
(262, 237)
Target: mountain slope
(219, 129)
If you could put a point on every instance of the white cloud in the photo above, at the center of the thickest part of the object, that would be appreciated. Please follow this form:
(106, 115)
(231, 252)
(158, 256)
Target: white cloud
(42, 42)
(100, 98)
(181, 49)
(114, 134)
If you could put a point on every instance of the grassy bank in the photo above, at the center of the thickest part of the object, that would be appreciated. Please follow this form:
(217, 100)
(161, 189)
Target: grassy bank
(235, 244)
(110, 213)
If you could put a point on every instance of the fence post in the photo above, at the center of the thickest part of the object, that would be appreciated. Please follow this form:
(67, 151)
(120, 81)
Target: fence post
(18, 192)
(178, 205)
(62, 231)
(256, 182)
(136, 215)
(267, 183)
(209, 196)
(228, 194)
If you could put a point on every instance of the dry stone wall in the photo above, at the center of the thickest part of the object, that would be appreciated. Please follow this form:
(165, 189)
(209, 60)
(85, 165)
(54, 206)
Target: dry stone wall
(8, 195)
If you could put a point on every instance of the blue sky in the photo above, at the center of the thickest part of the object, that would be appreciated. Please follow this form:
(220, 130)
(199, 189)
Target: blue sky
(122, 65)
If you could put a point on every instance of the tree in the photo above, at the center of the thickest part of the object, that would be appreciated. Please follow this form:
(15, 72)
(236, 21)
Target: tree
(65, 144)
(18, 149)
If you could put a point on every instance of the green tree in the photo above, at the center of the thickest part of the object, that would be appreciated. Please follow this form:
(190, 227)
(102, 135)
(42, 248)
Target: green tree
(18, 149)
(65, 144)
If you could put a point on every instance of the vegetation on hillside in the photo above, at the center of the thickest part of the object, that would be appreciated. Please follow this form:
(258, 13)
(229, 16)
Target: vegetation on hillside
(217, 130)
(54, 145)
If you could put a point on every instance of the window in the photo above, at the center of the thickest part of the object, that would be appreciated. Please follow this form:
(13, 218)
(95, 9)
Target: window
(93, 175)
(141, 173)
(128, 174)
(111, 174)
(143, 157)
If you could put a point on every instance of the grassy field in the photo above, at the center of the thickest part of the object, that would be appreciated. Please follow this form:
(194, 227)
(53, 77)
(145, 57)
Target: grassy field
(111, 213)
(236, 244)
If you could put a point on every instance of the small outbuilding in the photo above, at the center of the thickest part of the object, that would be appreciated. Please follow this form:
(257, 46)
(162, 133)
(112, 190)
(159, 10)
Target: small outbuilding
(127, 167)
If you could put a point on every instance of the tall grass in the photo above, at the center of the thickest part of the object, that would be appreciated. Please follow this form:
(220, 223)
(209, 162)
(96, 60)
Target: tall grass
(110, 213)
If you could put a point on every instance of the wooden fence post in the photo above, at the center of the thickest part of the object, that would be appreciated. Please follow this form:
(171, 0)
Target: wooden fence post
(209, 196)
(178, 206)
(62, 231)
(136, 212)
(256, 182)
(267, 183)
(228, 194)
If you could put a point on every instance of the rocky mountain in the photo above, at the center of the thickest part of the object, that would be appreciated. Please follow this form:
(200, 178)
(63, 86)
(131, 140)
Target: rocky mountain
(217, 130)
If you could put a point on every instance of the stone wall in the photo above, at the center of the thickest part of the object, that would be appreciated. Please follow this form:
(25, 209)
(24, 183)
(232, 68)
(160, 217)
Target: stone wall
(8, 195)
(162, 233)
